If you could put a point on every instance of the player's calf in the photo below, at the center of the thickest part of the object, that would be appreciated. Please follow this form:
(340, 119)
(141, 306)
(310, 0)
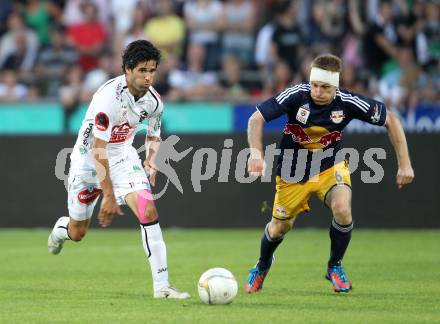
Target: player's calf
(78, 229)
(66, 229)
(77, 235)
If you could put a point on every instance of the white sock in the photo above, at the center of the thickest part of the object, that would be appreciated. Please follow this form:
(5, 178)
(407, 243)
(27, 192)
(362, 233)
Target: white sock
(156, 251)
(60, 229)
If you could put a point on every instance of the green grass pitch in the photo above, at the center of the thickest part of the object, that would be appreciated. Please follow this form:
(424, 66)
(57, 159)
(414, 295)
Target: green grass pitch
(106, 278)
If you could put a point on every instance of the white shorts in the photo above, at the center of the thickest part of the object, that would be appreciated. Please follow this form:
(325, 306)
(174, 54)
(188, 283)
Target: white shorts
(127, 176)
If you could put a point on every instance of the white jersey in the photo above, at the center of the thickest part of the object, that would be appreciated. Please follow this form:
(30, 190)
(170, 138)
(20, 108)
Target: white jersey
(113, 116)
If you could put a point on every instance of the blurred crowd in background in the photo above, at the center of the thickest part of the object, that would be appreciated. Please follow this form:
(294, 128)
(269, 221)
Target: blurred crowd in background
(230, 50)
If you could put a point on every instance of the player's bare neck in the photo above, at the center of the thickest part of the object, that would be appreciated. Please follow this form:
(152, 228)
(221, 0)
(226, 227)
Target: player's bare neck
(135, 93)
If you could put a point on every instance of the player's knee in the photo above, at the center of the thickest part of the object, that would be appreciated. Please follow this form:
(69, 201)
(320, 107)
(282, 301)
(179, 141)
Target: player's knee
(151, 214)
(277, 229)
(341, 212)
(146, 210)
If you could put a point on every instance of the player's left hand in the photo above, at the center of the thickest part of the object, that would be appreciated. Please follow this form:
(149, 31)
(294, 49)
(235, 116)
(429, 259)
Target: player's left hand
(151, 170)
(405, 175)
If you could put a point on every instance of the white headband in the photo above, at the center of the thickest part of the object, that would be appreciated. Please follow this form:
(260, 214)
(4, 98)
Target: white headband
(317, 74)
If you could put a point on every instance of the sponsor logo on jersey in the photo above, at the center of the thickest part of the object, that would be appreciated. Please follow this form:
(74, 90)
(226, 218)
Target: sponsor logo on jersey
(86, 134)
(101, 121)
(375, 117)
(337, 116)
(303, 114)
(118, 91)
(314, 137)
(120, 133)
(89, 195)
(158, 123)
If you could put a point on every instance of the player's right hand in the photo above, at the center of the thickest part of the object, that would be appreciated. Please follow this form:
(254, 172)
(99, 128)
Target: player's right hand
(109, 209)
(405, 175)
(256, 166)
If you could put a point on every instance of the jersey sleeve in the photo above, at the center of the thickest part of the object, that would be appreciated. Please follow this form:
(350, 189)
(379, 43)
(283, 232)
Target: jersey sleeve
(282, 103)
(103, 116)
(364, 108)
(154, 122)
(270, 109)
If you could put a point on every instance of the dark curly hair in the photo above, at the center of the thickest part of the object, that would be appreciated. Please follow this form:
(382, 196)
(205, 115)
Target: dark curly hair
(137, 52)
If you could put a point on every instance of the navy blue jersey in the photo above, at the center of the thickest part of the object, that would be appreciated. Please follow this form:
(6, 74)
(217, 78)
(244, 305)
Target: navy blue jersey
(314, 127)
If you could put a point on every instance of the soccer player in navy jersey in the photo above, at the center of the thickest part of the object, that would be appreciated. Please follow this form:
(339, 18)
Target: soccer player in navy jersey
(317, 112)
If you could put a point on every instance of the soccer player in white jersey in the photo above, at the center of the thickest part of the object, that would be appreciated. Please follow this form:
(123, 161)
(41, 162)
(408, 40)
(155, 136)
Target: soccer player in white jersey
(104, 161)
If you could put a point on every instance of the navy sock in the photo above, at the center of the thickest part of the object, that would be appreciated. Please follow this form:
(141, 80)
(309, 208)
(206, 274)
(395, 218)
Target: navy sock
(267, 248)
(340, 236)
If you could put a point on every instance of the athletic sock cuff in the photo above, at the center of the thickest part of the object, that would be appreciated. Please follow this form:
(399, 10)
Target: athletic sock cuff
(342, 228)
(150, 224)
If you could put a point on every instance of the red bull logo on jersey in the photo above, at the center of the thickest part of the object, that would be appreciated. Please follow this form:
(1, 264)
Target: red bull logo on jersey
(280, 211)
(89, 195)
(298, 133)
(329, 138)
(311, 138)
(337, 116)
(120, 133)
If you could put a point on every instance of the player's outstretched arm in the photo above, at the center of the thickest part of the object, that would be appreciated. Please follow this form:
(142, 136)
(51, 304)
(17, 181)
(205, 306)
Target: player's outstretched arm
(256, 165)
(152, 144)
(405, 172)
(109, 208)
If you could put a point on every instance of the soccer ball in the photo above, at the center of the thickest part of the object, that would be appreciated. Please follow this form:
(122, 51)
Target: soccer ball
(217, 286)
